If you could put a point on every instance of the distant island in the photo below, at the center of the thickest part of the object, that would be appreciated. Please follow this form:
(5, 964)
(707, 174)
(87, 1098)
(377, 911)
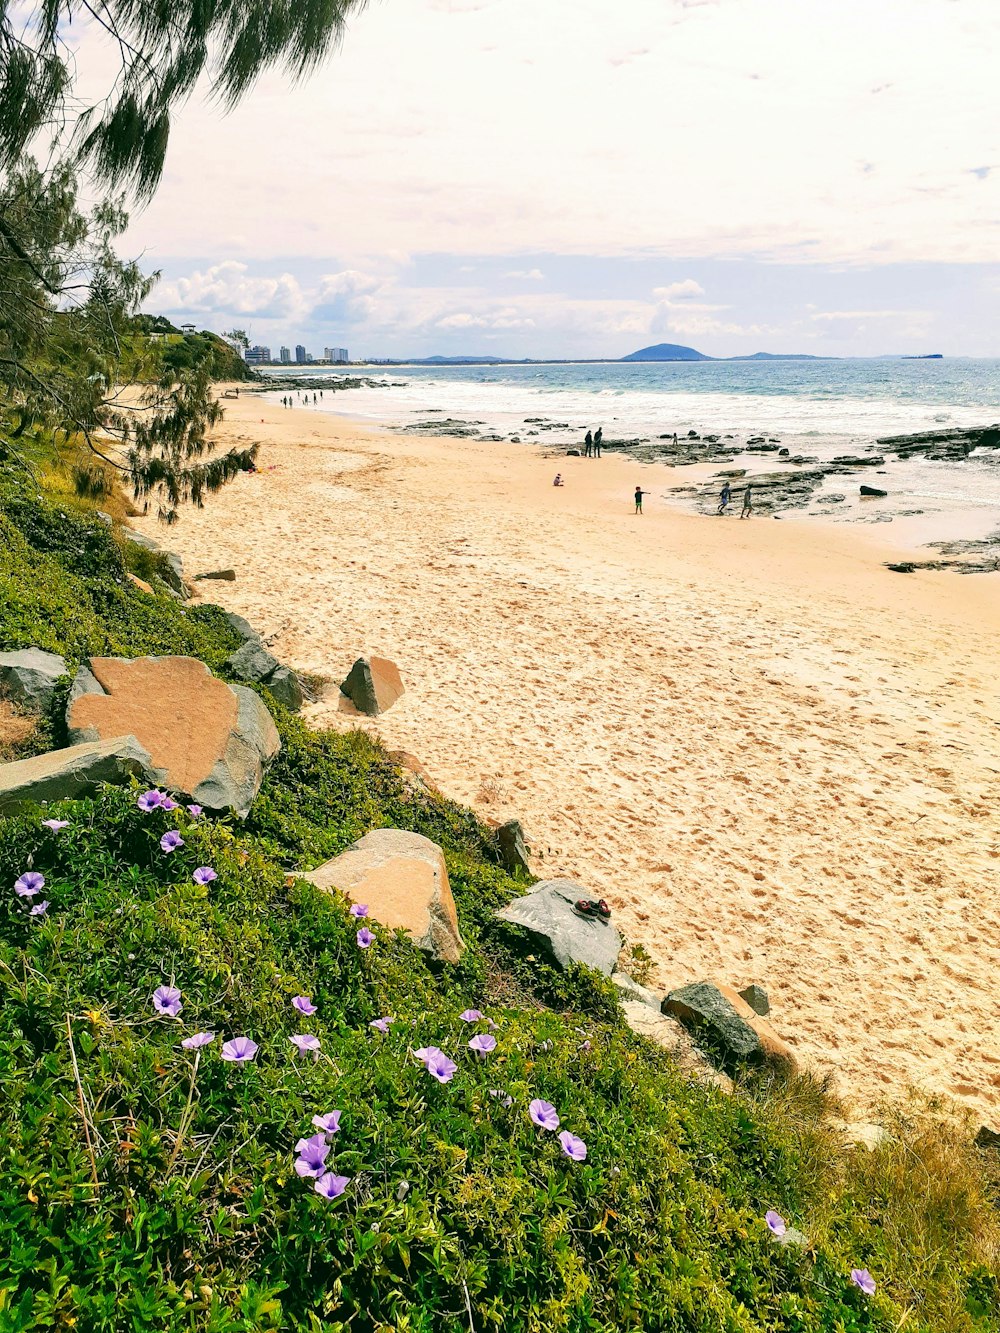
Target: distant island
(659, 352)
(676, 352)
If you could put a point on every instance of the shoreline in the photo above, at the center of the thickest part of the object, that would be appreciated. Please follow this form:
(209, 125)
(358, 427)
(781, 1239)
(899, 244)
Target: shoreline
(773, 756)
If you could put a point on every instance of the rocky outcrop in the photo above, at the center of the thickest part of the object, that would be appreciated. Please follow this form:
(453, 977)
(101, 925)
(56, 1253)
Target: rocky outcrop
(402, 879)
(29, 676)
(73, 772)
(373, 685)
(172, 572)
(513, 852)
(668, 1033)
(725, 1022)
(223, 575)
(548, 916)
(242, 627)
(254, 663)
(207, 740)
(873, 492)
(756, 997)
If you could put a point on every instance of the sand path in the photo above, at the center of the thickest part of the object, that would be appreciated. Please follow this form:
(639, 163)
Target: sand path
(777, 760)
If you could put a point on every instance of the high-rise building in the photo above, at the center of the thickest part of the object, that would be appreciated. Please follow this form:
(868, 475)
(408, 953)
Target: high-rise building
(300, 355)
(257, 356)
(337, 354)
(286, 356)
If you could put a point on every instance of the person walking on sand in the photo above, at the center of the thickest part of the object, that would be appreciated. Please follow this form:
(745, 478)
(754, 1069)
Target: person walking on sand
(639, 493)
(747, 503)
(598, 437)
(724, 498)
(588, 445)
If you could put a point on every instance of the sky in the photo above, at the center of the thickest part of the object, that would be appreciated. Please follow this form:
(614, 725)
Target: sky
(573, 178)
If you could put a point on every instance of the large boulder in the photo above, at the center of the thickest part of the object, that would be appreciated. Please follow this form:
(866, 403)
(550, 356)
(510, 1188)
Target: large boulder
(402, 879)
(547, 914)
(254, 663)
(732, 1029)
(208, 741)
(77, 771)
(373, 685)
(29, 677)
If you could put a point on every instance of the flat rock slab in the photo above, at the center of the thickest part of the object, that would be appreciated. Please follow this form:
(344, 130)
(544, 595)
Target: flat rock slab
(208, 740)
(29, 676)
(373, 685)
(76, 771)
(547, 913)
(631, 990)
(737, 1033)
(402, 879)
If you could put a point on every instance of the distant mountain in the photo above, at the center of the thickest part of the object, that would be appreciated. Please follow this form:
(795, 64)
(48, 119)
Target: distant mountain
(782, 356)
(668, 352)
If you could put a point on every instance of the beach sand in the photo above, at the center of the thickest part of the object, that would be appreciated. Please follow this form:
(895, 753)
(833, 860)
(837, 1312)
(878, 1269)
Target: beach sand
(777, 760)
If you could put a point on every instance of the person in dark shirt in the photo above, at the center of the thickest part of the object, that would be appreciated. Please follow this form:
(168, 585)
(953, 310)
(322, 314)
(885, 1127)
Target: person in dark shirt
(588, 445)
(724, 498)
(598, 437)
(747, 502)
(639, 493)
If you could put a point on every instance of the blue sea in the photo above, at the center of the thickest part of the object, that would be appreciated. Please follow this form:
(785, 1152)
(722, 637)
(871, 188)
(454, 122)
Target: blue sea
(817, 408)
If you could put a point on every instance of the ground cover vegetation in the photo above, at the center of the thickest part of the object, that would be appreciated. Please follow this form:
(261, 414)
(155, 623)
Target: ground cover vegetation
(352, 1137)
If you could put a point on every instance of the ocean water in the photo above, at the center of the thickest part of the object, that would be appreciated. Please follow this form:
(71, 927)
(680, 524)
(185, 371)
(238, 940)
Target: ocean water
(816, 408)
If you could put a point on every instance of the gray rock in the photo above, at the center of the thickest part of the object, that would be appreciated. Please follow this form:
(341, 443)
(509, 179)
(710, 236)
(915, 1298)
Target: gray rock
(29, 677)
(704, 1008)
(668, 1033)
(76, 771)
(225, 575)
(633, 992)
(547, 914)
(251, 662)
(285, 686)
(987, 1138)
(513, 852)
(373, 685)
(140, 539)
(873, 491)
(106, 519)
(242, 627)
(236, 777)
(756, 998)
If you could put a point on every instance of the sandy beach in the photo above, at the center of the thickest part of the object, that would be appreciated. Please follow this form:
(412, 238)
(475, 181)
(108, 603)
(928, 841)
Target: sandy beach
(776, 759)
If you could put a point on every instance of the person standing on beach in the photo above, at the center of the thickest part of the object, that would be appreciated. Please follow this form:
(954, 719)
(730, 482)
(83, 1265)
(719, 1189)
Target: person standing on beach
(747, 503)
(639, 493)
(725, 498)
(598, 437)
(588, 445)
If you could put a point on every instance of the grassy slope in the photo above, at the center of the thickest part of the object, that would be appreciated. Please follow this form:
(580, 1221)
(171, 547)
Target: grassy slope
(457, 1202)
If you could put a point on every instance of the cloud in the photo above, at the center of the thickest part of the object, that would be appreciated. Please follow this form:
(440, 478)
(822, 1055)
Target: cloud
(228, 287)
(679, 291)
(530, 274)
(829, 316)
(346, 297)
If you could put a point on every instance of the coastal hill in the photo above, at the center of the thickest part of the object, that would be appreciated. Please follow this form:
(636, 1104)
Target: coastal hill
(677, 352)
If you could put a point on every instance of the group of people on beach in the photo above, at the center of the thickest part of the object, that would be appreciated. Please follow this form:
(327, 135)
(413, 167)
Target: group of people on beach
(592, 443)
(726, 497)
(288, 402)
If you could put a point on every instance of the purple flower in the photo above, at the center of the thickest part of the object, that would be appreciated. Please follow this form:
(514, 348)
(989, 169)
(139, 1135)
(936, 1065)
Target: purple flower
(167, 1001)
(305, 1042)
(168, 803)
(30, 883)
(150, 800)
(504, 1098)
(543, 1114)
(437, 1063)
(55, 824)
(359, 910)
(171, 841)
(304, 1005)
(365, 938)
(204, 875)
(470, 1016)
(194, 811)
(572, 1146)
(239, 1050)
(199, 1040)
(382, 1024)
(329, 1123)
(39, 909)
(313, 1153)
(775, 1223)
(584, 1046)
(863, 1279)
(331, 1186)
(483, 1044)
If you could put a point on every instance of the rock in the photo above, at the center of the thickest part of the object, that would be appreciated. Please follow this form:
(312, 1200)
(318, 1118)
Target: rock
(668, 1033)
(76, 771)
(873, 491)
(547, 913)
(860, 1134)
(402, 879)
(242, 627)
(902, 567)
(254, 663)
(284, 685)
(373, 685)
(756, 998)
(28, 677)
(719, 1013)
(572, 453)
(513, 852)
(106, 519)
(415, 775)
(139, 583)
(633, 992)
(784, 453)
(208, 741)
(226, 575)
(140, 539)
(987, 1138)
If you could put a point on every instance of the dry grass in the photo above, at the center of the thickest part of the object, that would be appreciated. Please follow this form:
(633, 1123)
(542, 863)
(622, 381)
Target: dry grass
(15, 731)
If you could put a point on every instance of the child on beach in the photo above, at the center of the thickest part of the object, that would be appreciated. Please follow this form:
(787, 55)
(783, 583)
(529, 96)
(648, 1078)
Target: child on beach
(639, 493)
(724, 498)
(558, 480)
(747, 503)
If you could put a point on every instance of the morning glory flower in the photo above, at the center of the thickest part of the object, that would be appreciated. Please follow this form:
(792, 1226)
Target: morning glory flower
(331, 1186)
(470, 1016)
(504, 1098)
(863, 1279)
(437, 1063)
(194, 811)
(204, 875)
(55, 824)
(167, 1001)
(39, 909)
(303, 1004)
(168, 803)
(313, 1153)
(28, 884)
(572, 1146)
(199, 1040)
(775, 1223)
(329, 1123)
(382, 1024)
(171, 841)
(543, 1114)
(365, 938)
(239, 1050)
(304, 1041)
(359, 910)
(150, 800)
(483, 1044)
